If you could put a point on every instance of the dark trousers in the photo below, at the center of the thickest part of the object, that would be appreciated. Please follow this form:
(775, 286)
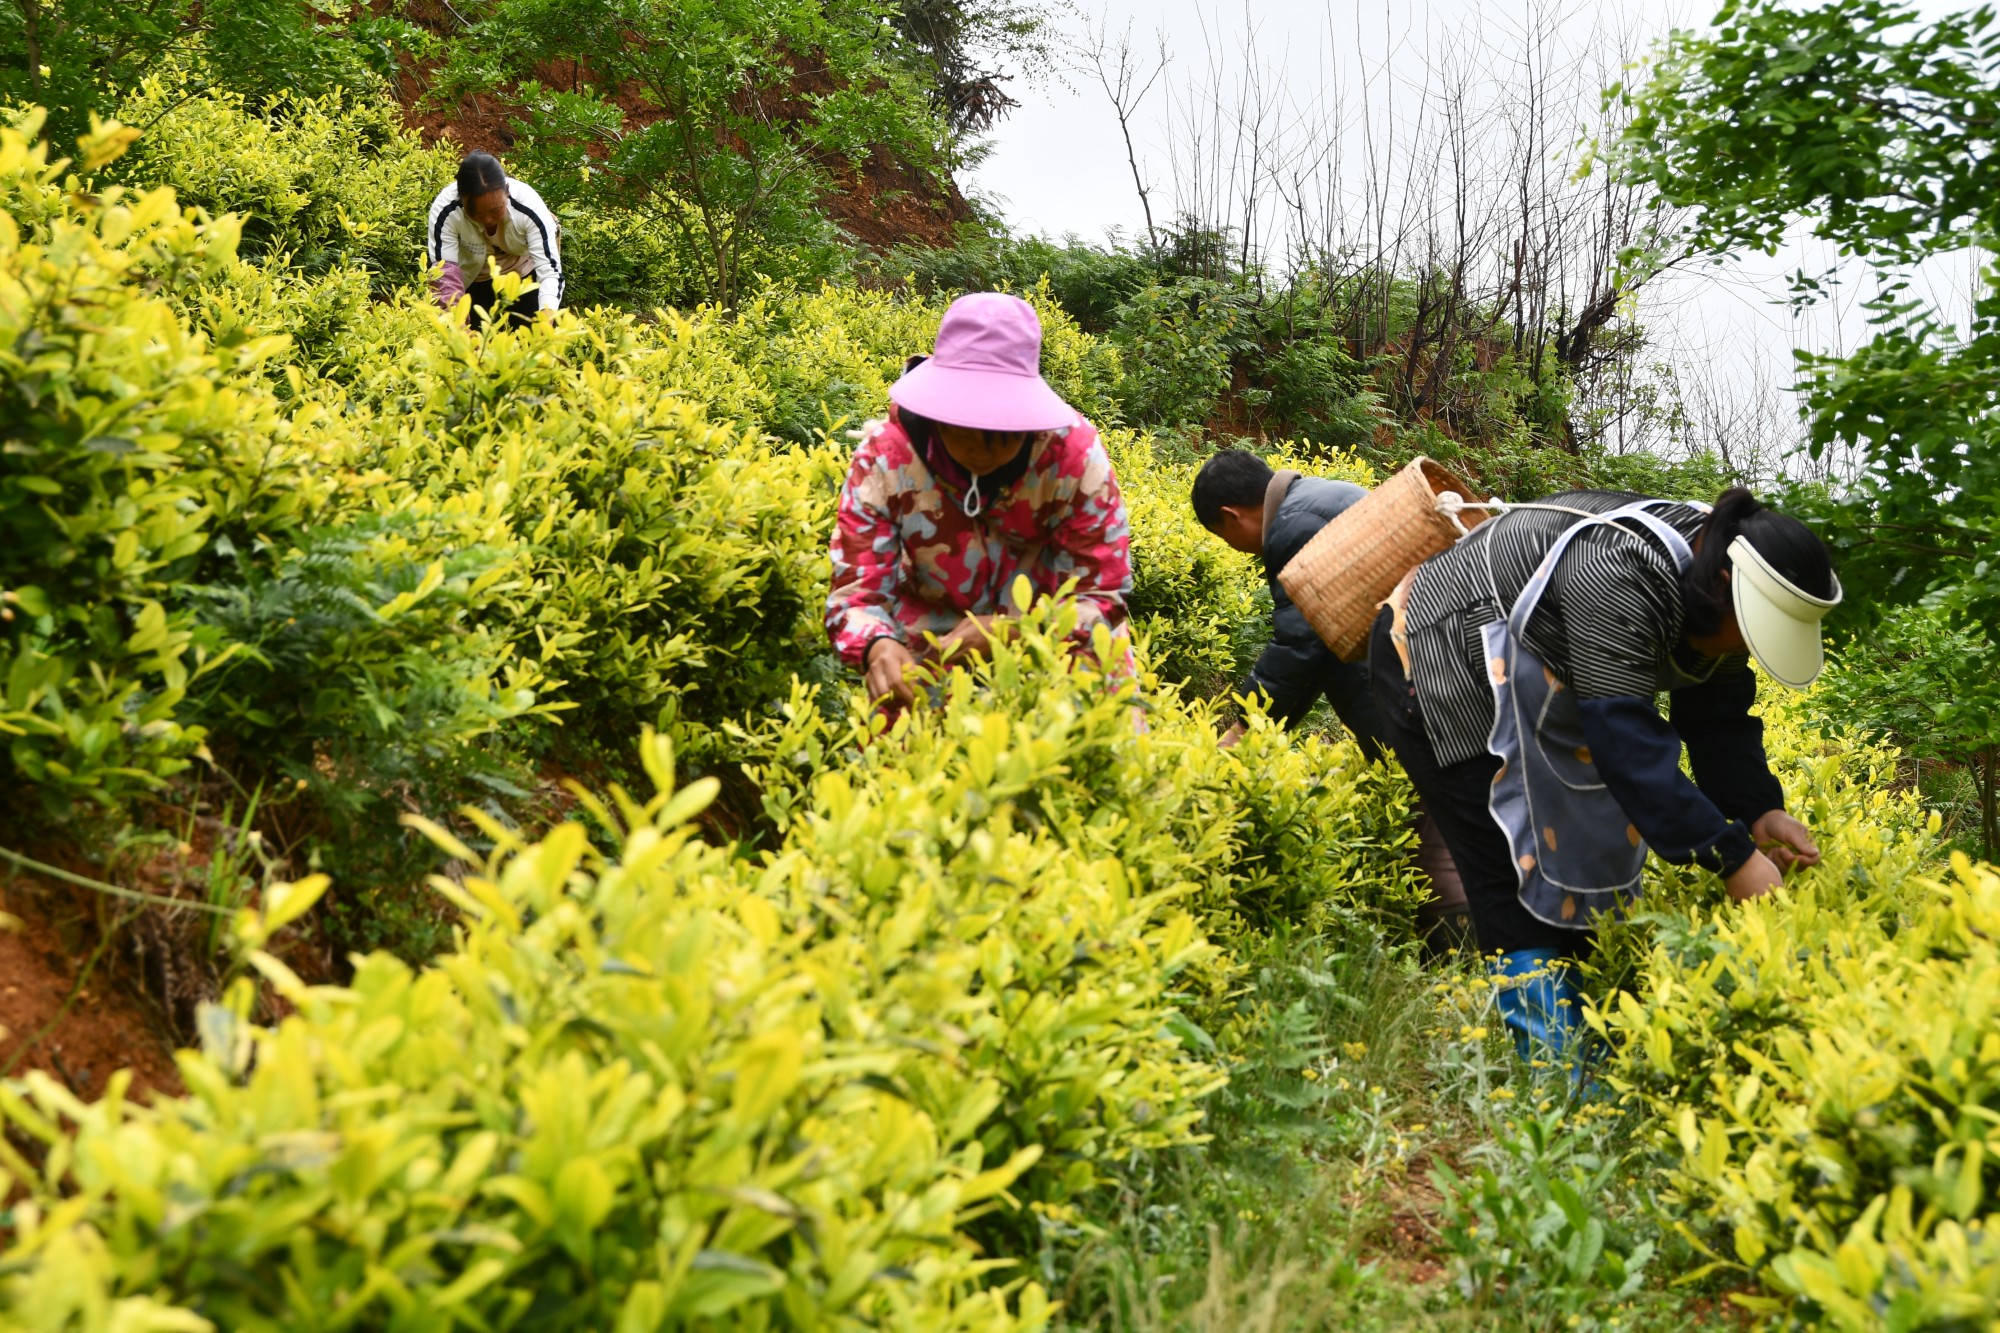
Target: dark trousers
(1455, 795)
(1353, 701)
(519, 315)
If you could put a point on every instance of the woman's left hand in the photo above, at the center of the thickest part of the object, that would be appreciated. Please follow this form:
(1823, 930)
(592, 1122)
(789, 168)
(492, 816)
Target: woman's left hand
(973, 635)
(1785, 840)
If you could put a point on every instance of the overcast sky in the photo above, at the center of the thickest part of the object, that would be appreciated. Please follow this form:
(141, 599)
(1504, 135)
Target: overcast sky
(1058, 164)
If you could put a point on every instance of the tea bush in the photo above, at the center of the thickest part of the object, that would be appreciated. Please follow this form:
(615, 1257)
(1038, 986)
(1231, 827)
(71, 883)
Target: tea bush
(1267, 832)
(131, 438)
(1820, 1064)
(1027, 956)
(319, 183)
(635, 1096)
(615, 541)
(672, 568)
(1202, 604)
(1829, 1074)
(974, 961)
(829, 356)
(182, 548)
(1079, 837)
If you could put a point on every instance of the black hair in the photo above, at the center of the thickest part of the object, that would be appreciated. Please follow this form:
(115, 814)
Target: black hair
(480, 173)
(1234, 477)
(923, 432)
(1793, 549)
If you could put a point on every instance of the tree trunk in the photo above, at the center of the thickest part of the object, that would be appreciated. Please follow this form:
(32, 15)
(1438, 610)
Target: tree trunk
(1989, 802)
(31, 33)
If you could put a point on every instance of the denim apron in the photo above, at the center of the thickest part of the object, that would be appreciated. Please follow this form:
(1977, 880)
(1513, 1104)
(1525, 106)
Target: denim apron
(1577, 852)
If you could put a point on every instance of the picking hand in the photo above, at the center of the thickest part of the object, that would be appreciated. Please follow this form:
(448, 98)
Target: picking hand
(888, 659)
(1786, 840)
(1229, 738)
(972, 636)
(1754, 878)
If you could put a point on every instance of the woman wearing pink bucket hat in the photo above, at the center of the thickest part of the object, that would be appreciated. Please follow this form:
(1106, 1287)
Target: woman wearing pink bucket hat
(980, 474)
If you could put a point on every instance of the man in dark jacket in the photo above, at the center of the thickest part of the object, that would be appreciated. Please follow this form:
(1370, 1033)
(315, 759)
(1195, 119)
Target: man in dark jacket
(1272, 515)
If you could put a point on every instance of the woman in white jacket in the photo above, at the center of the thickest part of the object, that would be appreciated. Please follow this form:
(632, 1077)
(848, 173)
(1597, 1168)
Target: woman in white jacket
(484, 224)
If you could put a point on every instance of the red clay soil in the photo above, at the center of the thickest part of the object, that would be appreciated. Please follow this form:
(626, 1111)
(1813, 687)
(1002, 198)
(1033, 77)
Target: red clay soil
(885, 203)
(102, 1031)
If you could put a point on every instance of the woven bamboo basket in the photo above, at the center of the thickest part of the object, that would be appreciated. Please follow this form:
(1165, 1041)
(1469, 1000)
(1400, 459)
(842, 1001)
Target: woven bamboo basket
(1341, 576)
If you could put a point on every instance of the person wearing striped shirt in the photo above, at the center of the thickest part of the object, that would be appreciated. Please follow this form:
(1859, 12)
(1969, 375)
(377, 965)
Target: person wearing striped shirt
(485, 223)
(1518, 675)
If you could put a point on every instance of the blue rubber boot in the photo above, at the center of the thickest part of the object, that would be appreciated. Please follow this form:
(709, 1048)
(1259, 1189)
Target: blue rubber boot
(1544, 1009)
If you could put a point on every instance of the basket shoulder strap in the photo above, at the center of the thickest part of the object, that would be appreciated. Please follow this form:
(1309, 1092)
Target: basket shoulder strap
(1274, 494)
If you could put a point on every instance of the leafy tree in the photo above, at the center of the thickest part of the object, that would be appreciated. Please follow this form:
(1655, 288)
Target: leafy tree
(1879, 132)
(78, 57)
(959, 48)
(723, 119)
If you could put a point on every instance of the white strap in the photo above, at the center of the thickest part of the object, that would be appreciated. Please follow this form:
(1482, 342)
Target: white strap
(1451, 504)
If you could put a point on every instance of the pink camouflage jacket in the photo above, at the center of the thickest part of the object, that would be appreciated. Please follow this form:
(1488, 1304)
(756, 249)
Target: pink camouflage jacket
(907, 560)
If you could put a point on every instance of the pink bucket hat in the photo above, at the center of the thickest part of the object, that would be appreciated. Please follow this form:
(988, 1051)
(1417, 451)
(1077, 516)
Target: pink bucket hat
(986, 372)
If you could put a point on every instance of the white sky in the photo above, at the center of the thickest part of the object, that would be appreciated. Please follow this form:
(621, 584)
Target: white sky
(1058, 165)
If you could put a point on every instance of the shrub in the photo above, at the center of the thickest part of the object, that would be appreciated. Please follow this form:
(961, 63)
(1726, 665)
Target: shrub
(1202, 606)
(959, 839)
(1030, 820)
(1702, 476)
(355, 640)
(1088, 282)
(319, 183)
(634, 1097)
(1829, 1073)
(642, 258)
(182, 546)
(673, 568)
(1913, 680)
(1820, 1065)
(1319, 390)
(1179, 339)
(131, 437)
(985, 921)
(829, 357)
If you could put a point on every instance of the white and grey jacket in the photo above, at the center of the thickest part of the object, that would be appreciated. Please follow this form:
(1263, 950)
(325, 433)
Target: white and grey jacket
(530, 244)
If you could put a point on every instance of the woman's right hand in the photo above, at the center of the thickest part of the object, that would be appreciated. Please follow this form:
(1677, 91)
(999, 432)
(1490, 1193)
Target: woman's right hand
(888, 659)
(1754, 878)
